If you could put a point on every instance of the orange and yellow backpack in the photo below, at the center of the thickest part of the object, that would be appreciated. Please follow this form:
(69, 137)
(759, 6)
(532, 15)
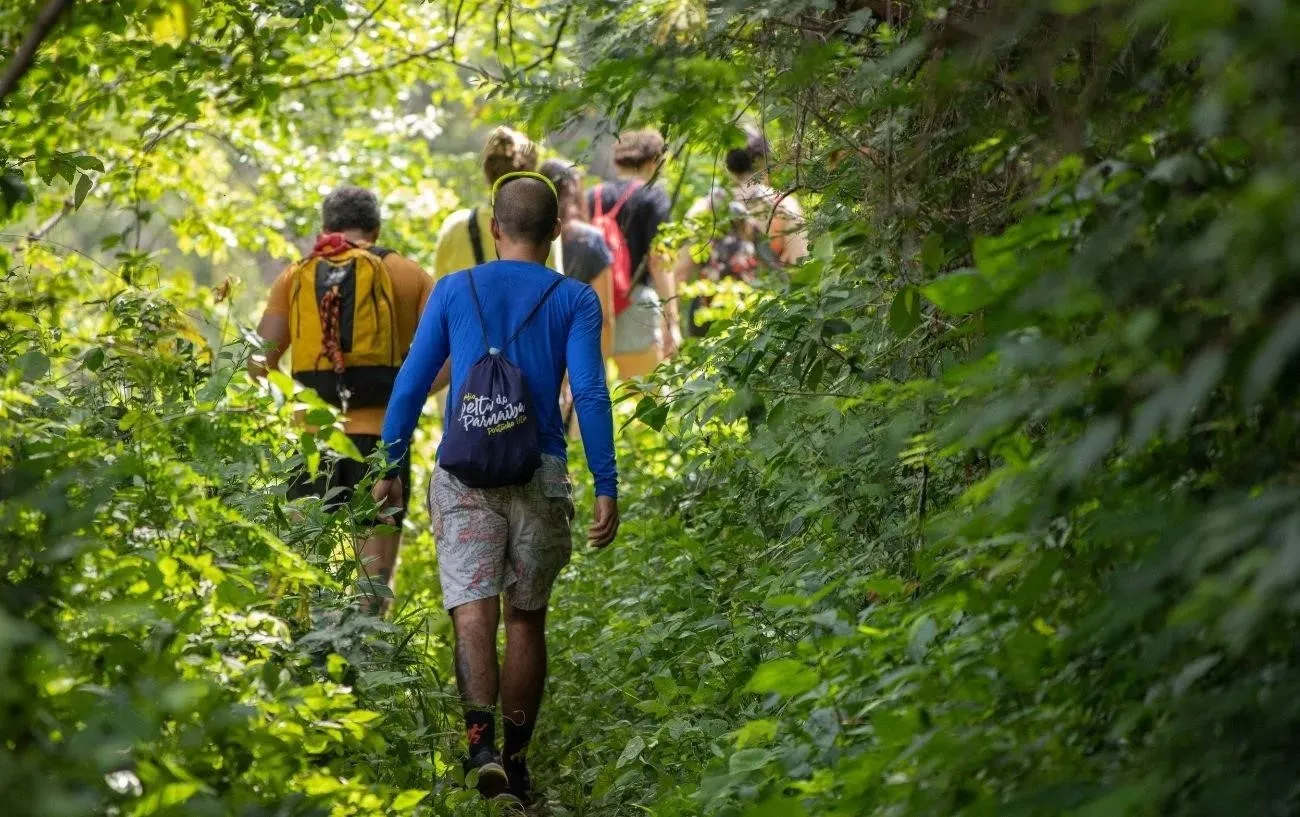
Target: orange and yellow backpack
(343, 327)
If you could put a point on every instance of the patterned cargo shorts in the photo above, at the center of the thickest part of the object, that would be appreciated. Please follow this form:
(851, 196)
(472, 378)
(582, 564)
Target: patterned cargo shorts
(514, 540)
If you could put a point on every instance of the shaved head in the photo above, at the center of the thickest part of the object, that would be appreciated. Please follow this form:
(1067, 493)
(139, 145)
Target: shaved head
(526, 210)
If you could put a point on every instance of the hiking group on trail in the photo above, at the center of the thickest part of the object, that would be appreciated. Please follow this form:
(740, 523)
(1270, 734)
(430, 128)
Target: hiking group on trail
(533, 291)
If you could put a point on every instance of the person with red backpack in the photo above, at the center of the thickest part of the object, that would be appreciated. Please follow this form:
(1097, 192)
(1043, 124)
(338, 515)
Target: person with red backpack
(629, 212)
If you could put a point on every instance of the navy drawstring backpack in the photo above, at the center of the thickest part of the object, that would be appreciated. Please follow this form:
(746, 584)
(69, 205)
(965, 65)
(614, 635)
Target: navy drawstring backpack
(492, 440)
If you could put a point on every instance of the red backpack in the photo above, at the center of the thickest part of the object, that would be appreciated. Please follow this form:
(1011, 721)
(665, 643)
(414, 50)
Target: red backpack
(607, 223)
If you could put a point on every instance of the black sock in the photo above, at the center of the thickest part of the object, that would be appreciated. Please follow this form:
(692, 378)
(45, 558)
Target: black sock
(480, 728)
(517, 738)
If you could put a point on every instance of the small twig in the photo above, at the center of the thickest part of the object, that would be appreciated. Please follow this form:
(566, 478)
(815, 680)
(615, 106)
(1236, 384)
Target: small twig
(43, 229)
(26, 54)
(554, 47)
(425, 53)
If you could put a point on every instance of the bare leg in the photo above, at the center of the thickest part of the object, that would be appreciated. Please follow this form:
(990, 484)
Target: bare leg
(378, 561)
(524, 678)
(637, 364)
(476, 651)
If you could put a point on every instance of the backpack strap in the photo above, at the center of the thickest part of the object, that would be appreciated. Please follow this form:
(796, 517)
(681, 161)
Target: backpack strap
(536, 308)
(478, 307)
(632, 187)
(599, 196)
(482, 325)
(380, 252)
(475, 237)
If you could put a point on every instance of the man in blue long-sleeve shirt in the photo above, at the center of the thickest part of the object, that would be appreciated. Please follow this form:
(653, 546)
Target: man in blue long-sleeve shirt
(510, 541)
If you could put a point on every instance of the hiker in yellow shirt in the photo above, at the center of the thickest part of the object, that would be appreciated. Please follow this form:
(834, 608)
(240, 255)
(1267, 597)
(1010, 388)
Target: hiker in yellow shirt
(465, 238)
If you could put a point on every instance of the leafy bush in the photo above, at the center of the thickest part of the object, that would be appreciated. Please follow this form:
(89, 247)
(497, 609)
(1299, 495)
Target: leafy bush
(173, 639)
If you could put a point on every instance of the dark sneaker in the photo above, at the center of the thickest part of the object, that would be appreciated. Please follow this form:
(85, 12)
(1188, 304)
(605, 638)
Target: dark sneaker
(521, 783)
(492, 779)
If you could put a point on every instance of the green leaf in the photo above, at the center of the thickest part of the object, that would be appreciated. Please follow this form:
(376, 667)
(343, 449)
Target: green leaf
(756, 733)
(87, 162)
(784, 676)
(748, 760)
(776, 807)
(172, 27)
(905, 311)
(655, 418)
(824, 247)
(932, 252)
(83, 188)
(923, 632)
(960, 293)
(408, 799)
(93, 359)
(1193, 672)
(281, 381)
(33, 365)
(13, 190)
(894, 727)
(320, 417)
(341, 443)
(1273, 357)
(631, 751)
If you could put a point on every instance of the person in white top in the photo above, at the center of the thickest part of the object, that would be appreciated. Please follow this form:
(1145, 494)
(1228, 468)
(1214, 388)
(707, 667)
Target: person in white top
(750, 223)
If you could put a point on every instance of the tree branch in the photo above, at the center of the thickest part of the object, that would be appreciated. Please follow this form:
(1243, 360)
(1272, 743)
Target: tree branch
(554, 47)
(26, 53)
(426, 53)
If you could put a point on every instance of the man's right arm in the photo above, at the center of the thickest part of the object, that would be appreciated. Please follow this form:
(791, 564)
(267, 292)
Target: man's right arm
(273, 328)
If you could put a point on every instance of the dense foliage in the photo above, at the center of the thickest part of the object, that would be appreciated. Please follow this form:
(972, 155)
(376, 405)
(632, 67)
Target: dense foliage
(988, 508)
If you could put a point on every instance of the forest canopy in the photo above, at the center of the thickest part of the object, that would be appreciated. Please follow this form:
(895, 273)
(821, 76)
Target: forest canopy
(989, 507)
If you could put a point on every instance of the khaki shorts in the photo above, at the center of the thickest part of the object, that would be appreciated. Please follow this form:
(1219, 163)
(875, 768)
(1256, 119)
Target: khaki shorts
(641, 326)
(513, 540)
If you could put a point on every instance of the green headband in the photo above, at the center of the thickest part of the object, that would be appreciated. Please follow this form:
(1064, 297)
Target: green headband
(523, 174)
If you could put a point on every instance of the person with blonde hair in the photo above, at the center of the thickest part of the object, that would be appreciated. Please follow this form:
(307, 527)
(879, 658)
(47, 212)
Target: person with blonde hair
(465, 238)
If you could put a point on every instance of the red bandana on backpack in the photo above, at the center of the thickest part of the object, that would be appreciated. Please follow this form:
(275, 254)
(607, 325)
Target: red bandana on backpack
(328, 244)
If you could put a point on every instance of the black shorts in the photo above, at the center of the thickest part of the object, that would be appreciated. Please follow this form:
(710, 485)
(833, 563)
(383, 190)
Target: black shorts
(345, 473)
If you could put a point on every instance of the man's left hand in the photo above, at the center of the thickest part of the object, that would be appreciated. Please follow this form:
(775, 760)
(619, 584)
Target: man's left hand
(388, 493)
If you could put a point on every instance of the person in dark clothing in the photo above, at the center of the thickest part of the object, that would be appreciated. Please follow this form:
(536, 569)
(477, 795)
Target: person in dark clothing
(647, 331)
(587, 257)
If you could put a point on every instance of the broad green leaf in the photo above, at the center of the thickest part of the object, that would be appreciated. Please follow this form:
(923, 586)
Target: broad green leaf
(88, 162)
(784, 676)
(172, 26)
(631, 751)
(960, 293)
(905, 311)
(923, 632)
(776, 807)
(340, 442)
(758, 732)
(408, 800)
(748, 760)
(33, 364)
(1273, 356)
(932, 252)
(83, 188)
